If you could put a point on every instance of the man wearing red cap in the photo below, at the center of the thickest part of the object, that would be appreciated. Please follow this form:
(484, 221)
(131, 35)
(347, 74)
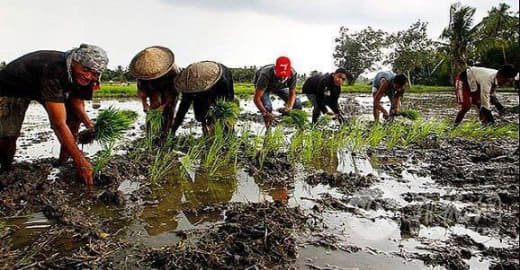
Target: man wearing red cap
(279, 79)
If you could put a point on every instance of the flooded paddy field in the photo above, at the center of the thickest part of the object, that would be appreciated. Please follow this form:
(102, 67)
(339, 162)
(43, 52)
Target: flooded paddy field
(429, 201)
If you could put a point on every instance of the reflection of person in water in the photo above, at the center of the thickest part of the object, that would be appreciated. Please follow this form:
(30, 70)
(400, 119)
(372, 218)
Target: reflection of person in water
(206, 190)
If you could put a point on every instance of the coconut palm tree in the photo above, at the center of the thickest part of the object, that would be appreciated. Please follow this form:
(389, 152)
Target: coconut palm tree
(499, 28)
(459, 33)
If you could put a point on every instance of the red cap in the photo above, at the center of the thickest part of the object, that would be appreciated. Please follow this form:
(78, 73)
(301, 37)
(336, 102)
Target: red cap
(283, 67)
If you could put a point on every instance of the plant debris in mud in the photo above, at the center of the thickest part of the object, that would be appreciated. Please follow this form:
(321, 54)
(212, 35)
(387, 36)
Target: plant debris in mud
(345, 182)
(253, 235)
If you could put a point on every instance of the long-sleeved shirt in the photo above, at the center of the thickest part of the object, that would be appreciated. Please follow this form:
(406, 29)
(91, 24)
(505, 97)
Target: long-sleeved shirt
(485, 80)
(326, 91)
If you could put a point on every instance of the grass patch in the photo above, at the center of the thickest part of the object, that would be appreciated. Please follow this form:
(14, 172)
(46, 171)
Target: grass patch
(410, 114)
(247, 89)
(296, 118)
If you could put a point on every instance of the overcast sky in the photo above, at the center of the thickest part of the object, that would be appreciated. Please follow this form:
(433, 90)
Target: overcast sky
(234, 32)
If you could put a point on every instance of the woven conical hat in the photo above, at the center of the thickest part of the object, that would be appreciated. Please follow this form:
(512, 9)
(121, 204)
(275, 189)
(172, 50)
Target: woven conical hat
(198, 77)
(152, 63)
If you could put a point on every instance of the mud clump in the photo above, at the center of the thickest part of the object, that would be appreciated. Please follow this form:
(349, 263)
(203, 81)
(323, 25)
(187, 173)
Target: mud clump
(345, 182)
(452, 259)
(276, 170)
(429, 214)
(253, 235)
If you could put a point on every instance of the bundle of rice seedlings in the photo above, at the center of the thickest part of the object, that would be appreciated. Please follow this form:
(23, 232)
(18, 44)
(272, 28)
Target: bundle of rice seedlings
(296, 118)
(323, 121)
(225, 112)
(110, 125)
(154, 122)
(410, 114)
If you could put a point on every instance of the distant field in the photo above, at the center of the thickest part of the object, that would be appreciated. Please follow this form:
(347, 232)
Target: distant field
(247, 89)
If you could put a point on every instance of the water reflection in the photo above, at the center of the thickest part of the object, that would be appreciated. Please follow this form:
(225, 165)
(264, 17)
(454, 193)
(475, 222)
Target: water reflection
(181, 197)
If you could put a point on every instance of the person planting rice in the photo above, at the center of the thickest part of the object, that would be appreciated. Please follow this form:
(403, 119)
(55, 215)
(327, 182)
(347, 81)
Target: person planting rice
(391, 85)
(323, 91)
(75, 119)
(476, 86)
(202, 84)
(279, 79)
(155, 70)
(51, 78)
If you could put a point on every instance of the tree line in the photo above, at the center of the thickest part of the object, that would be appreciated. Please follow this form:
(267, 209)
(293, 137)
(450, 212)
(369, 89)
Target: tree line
(492, 42)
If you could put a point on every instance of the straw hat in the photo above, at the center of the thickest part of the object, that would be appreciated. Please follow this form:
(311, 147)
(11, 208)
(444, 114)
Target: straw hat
(198, 77)
(152, 63)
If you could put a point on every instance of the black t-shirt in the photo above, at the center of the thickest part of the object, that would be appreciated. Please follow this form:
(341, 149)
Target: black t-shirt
(164, 85)
(41, 76)
(327, 93)
(266, 80)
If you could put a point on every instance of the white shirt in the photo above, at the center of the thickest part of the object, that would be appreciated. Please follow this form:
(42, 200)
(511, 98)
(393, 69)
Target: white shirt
(486, 79)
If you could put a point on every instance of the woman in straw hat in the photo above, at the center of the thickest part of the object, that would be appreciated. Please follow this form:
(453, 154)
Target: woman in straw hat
(155, 70)
(202, 84)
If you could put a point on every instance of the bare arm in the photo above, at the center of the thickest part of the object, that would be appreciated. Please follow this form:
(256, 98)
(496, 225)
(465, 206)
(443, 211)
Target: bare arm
(79, 110)
(397, 107)
(58, 116)
(258, 101)
(377, 99)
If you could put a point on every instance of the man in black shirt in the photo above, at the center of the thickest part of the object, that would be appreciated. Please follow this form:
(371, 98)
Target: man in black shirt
(323, 91)
(279, 79)
(202, 84)
(155, 70)
(51, 78)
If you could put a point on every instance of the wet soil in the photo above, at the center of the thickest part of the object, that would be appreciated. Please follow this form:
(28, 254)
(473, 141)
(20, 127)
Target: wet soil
(450, 203)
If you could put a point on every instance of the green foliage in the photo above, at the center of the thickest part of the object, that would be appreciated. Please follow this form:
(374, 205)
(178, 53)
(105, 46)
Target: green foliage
(104, 158)
(459, 34)
(498, 31)
(307, 104)
(412, 49)
(410, 114)
(359, 51)
(111, 123)
(225, 112)
(475, 130)
(296, 118)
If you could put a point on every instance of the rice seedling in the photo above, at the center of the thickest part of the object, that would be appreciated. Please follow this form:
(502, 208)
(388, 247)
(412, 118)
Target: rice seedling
(273, 142)
(307, 104)
(110, 125)
(376, 134)
(162, 164)
(323, 121)
(154, 122)
(225, 112)
(296, 118)
(104, 158)
(410, 114)
(474, 130)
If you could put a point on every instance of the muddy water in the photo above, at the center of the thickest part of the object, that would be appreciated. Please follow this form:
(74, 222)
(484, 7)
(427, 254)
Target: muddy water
(176, 204)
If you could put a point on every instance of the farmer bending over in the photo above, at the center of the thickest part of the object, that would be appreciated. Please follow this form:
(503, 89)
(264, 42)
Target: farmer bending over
(279, 79)
(155, 70)
(323, 91)
(476, 86)
(202, 84)
(51, 78)
(391, 85)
